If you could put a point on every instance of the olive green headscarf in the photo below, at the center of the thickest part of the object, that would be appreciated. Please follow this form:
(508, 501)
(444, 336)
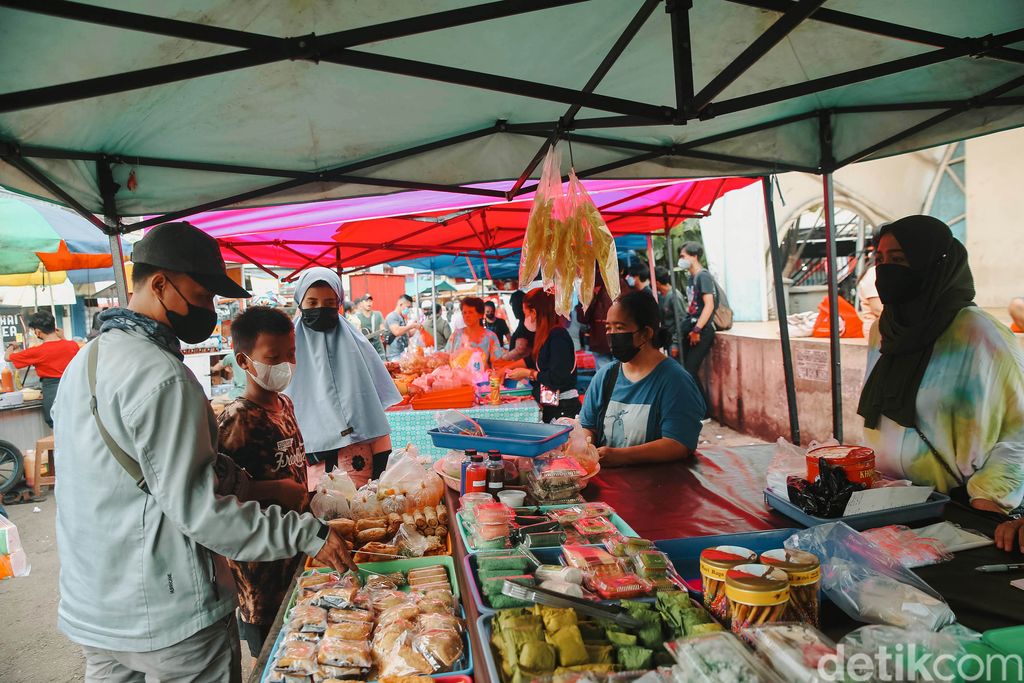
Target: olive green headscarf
(909, 329)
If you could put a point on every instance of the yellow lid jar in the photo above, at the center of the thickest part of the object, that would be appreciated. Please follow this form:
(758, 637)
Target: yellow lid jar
(757, 594)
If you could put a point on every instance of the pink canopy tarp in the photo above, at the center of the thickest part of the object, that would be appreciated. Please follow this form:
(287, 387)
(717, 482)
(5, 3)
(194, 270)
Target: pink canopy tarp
(366, 231)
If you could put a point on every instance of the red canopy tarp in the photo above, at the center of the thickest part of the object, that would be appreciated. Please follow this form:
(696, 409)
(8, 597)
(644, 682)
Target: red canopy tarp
(367, 231)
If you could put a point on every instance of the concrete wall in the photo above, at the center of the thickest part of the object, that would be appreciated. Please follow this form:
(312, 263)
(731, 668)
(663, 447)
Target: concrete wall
(747, 387)
(995, 224)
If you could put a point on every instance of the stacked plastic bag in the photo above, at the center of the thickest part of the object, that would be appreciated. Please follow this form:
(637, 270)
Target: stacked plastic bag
(567, 240)
(13, 561)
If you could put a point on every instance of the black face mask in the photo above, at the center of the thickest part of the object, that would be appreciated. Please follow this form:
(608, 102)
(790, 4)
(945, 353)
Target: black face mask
(622, 346)
(320, 319)
(193, 327)
(897, 284)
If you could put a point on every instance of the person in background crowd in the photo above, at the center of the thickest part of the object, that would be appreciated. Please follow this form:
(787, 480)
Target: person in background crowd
(495, 324)
(145, 505)
(595, 318)
(474, 335)
(698, 330)
(435, 323)
(455, 316)
(645, 408)
(521, 342)
(673, 308)
(639, 277)
(554, 358)
(399, 327)
(260, 433)
(370, 322)
(239, 380)
(50, 357)
(341, 387)
(943, 402)
(1016, 312)
(870, 304)
(349, 311)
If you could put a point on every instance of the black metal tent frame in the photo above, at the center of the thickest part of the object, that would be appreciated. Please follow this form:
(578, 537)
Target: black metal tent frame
(337, 48)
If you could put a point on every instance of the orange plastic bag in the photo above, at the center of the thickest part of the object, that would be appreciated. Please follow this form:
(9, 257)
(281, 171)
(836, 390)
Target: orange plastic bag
(850, 325)
(1014, 328)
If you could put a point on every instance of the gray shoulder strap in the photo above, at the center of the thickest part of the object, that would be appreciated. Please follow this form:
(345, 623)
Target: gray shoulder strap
(123, 459)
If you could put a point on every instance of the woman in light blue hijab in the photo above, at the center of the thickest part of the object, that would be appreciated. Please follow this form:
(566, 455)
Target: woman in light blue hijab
(340, 387)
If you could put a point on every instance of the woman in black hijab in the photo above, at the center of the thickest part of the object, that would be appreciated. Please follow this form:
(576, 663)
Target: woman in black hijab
(943, 404)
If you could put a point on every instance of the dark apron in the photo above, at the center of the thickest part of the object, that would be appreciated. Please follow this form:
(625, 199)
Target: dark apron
(49, 387)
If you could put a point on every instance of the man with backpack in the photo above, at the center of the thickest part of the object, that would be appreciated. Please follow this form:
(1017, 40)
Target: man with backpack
(699, 324)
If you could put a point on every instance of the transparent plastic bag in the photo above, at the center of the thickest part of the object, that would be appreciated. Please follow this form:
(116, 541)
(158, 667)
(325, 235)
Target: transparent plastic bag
(579, 445)
(867, 583)
(928, 649)
(906, 545)
(333, 496)
(455, 422)
(410, 542)
(539, 225)
(595, 246)
(365, 503)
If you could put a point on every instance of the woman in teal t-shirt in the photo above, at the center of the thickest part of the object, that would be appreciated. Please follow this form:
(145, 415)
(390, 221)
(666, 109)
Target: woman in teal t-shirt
(654, 412)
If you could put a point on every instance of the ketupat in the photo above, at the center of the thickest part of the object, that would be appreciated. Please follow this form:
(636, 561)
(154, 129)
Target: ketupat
(698, 629)
(634, 658)
(537, 656)
(601, 654)
(569, 644)
(620, 639)
(556, 618)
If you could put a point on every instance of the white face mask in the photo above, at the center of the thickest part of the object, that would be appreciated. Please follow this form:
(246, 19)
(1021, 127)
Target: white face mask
(631, 281)
(684, 263)
(271, 377)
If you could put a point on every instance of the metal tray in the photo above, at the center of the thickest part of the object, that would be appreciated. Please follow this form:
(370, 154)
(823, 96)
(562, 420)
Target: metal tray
(929, 509)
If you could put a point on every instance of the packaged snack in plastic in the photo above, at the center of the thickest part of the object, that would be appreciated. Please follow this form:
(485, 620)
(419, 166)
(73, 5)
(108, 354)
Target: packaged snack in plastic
(349, 630)
(439, 594)
(594, 527)
(318, 580)
(717, 657)
(338, 674)
(624, 546)
(619, 587)
(348, 653)
(432, 621)
(424, 575)
(591, 561)
(493, 513)
(566, 516)
(402, 660)
(454, 422)
(336, 616)
(296, 657)
(792, 650)
(804, 572)
(906, 545)
(334, 597)
(555, 572)
(715, 563)
(757, 594)
(557, 471)
(440, 647)
(389, 582)
(869, 585)
(308, 619)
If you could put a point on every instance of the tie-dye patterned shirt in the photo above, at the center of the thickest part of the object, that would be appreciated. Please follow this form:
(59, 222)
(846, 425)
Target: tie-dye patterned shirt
(971, 407)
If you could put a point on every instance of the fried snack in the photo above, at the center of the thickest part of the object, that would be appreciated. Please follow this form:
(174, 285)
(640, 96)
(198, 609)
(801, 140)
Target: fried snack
(345, 527)
(296, 657)
(371, 535)
(346, 653)
(435, 546)
(335, 596)
(441, 531)
(442, 514)
(349, 630)
(371, 523)
(315, 582)
(429, 574)
(440, 647)
(420, 519)
(408, 519)
(375, 552)
(336, 616)
(431, 516)
(308, 619)
(394, 521)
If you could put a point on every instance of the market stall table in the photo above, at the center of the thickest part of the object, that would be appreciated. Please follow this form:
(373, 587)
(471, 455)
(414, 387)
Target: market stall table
(23, 425)
(411, 426)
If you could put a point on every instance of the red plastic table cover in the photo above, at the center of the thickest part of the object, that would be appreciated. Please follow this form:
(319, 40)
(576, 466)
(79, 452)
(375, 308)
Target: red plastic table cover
(720, 492)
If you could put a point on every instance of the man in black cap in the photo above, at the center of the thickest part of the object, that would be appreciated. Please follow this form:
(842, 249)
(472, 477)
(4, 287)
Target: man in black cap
(146, 510)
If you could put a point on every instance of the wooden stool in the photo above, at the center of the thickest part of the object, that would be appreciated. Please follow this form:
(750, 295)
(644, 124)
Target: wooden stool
(44, 450)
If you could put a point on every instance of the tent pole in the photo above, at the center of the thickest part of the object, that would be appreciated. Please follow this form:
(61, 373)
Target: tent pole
(678, 332)
(433, 307)
(650, 264)
(780, 310)
(120, 279)
(833, 303)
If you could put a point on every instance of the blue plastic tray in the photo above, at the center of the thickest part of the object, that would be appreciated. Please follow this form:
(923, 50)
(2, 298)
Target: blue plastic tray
(685, 552)
(620, 524)
(509, 437)
(466, 662)
(483, 632)
(930, 509)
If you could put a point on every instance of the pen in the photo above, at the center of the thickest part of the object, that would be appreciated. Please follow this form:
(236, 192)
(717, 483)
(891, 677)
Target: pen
(999, 568)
